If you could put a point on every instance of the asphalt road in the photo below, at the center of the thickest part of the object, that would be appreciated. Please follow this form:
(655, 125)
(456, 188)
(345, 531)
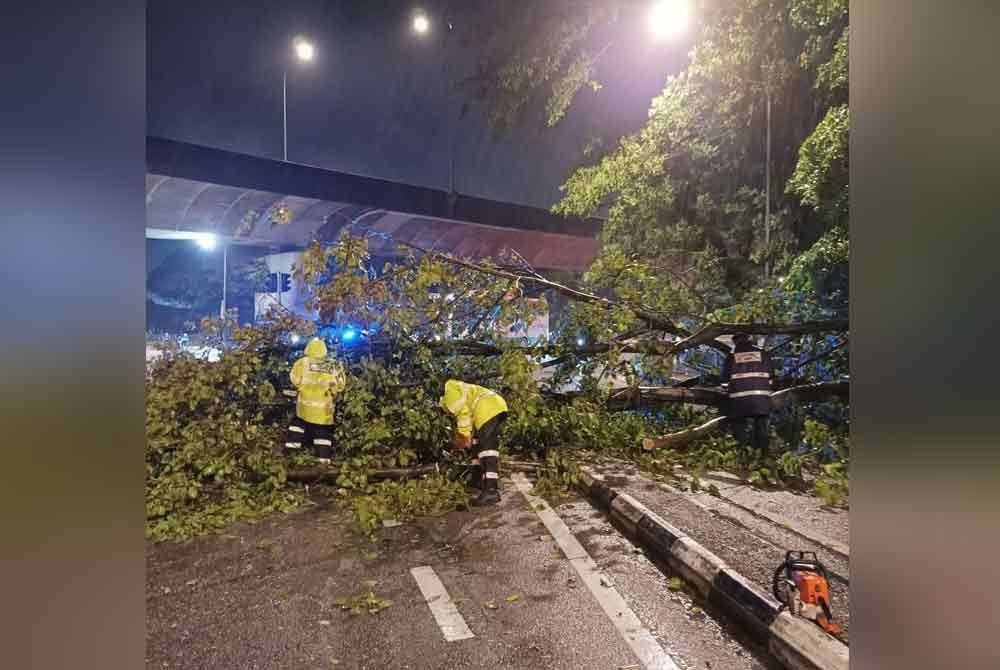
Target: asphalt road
(266, 596)
(751, 545)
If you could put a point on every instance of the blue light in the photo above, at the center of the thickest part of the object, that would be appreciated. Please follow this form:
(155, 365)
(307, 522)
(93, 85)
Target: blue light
(349, 334)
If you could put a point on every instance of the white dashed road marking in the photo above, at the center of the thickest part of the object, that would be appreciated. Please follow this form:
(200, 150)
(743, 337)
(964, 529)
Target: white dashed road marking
(640, 640)
(442, 607)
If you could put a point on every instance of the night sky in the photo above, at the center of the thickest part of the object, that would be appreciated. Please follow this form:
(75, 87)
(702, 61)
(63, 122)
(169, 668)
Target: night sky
(373, 102)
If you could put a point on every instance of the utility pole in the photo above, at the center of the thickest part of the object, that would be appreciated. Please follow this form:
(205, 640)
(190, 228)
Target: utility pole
(284, 114)
(225, 275)
(767, 187)
(452, 192)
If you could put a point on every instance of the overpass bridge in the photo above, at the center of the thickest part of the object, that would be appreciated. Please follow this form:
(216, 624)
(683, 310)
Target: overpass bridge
(194, 190)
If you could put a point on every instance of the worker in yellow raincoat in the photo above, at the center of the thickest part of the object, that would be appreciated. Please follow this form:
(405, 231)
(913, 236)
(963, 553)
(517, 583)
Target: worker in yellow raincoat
(482, 411)
(318, 380)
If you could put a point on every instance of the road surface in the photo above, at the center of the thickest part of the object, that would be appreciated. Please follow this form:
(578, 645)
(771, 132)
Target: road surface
(503, 592)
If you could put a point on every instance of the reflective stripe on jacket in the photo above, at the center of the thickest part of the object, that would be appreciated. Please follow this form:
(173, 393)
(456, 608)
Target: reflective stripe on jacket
(748, 371)
(318, 380)
(471, 405)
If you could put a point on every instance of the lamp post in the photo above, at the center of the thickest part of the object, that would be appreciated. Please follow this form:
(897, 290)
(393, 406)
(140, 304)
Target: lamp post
(421, 26)
(225, 276)
(304, 53)
(208, 242)
(767, 186)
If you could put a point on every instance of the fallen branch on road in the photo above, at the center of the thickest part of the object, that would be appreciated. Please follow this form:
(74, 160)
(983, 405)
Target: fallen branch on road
(680, 438)
(803, 393)
(329, 474)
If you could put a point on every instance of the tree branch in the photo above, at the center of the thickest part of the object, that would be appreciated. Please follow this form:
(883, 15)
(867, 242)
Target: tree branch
(713, 330)
(811, 392)
(804, 393)
(329, 474)
(822, 356)
(704, 337)
(680, 438)
(655, 320)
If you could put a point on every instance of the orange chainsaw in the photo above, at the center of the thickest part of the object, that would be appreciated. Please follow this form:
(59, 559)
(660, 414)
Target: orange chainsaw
(801, 584)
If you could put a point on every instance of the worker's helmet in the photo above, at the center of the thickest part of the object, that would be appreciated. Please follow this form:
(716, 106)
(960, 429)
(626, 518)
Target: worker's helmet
(316, 348)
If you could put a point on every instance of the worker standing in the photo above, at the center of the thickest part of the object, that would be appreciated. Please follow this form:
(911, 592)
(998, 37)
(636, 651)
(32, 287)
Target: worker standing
(318, 381)
(748, 373)
(480, 410)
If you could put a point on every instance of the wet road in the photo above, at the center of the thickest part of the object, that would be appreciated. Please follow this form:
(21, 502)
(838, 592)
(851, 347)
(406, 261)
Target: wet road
(751, 545)
(266, 596)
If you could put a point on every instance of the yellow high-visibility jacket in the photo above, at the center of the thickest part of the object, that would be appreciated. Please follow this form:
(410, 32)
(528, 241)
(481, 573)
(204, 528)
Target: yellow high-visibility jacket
(318, 381)
(471, 405)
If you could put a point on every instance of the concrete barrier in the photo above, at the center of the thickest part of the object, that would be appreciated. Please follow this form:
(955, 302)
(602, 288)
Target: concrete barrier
(798, 644)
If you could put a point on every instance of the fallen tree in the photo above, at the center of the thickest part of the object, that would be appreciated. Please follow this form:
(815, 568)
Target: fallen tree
(779, 400)
(682, 265)
(329, 474)
(213, 427)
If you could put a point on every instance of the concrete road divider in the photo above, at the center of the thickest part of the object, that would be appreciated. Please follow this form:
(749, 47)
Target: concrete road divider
(798, 644)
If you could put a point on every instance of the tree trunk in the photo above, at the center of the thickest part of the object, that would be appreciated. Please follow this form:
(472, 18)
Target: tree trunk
(804, 393)
(674, 440)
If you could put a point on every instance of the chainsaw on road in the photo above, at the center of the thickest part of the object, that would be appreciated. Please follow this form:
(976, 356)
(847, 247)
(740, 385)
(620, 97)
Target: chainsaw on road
(801, 584)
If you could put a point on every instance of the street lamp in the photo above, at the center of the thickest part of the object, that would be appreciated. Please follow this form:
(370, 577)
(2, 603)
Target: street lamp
(421, 26)
(208, 242)
(669, 18)
(205, 241)
(421, 23)
(304, 51)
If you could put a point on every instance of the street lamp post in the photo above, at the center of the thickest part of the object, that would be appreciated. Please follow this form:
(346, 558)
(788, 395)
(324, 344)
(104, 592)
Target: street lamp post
(767, 187)
(304, 53)
(284, 114)
(225, 276)
(421, 25)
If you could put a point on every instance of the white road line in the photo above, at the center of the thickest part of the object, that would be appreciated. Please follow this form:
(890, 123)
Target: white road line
(640, 640)
(442, 607)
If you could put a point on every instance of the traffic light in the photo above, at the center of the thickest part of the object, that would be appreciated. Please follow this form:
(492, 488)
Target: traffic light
(286, 283)
(272, 283)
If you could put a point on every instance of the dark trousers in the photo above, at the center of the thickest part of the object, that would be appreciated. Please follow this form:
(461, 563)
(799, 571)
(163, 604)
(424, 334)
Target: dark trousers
(313, 436)
(488, 452)
(758, 431)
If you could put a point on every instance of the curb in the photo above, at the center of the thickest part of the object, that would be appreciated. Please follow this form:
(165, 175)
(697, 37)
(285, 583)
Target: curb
(797, 643)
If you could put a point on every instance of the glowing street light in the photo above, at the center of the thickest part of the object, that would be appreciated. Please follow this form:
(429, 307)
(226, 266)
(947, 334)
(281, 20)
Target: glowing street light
(205, 241)
(421, 23)
(304, 49)
(669, 18)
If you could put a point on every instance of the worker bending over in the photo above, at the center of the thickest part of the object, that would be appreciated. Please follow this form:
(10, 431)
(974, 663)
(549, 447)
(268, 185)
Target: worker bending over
(481, 410)
(318, 381)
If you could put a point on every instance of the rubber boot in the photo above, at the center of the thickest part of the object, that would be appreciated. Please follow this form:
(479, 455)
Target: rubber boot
(490, 495)
(475, 479)
(323, 450)
(486, 497)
